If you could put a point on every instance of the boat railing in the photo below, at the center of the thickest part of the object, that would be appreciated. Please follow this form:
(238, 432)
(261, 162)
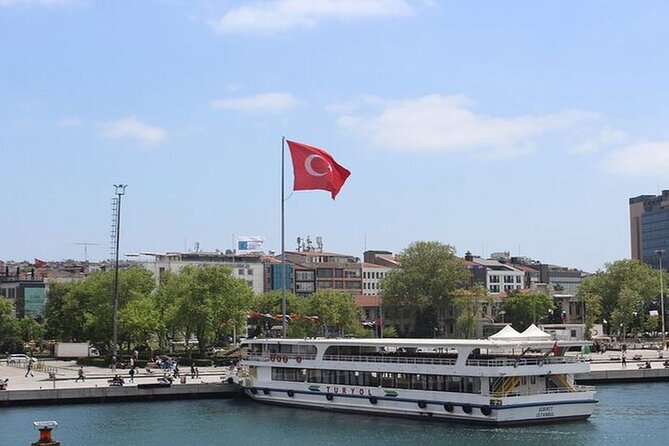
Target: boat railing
(279, 357)
(391, 359)
(519, 362)
(556, 390)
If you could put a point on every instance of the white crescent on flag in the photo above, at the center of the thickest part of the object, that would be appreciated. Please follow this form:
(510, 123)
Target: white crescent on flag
(310, 169)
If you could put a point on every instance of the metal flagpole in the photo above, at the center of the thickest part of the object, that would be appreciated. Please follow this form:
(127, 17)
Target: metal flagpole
(283, 239)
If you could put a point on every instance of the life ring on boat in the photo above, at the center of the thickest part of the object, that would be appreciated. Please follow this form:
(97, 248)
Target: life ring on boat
(422, 404)
(298, 358)
(329, 396)
(448, 407)
(253, 390)
(272, 357)
(466, 408)
(373, 400)
(265, 391)
(291, 393)
(486, 410)
(285, 358)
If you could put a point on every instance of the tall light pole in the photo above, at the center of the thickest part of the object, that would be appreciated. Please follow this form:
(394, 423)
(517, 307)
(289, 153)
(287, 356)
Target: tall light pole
(120, 191)
(659, 253)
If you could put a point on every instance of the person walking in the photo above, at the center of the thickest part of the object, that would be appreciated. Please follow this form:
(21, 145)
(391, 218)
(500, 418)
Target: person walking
(29, 368)
(112, 364)
(132, 374)
(192, 371)
(80, 375)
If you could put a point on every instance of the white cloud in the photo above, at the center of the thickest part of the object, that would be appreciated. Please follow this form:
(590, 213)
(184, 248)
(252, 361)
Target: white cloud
(282, 15)
(605, 137)
(260, 103)
(132, 128)
(641, 159)
(449, 124)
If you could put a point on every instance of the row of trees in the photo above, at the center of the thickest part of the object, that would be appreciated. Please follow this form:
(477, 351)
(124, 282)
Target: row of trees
(203, 304)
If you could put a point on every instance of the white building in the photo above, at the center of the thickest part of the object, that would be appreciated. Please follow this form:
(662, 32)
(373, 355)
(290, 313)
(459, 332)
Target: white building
(249, 267)
(372, 275)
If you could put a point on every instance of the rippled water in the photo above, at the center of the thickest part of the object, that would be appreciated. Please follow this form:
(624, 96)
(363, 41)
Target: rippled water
(635, 414)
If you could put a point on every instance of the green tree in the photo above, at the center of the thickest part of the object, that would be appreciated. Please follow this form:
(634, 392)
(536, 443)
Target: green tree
(205, 300)
(617, 276)
(10, 334)
(337, 312)
(523, 309)
(139, 320)
(82, 311)
(423, 286)
(627, 308)
(593, 310)
(468, 307)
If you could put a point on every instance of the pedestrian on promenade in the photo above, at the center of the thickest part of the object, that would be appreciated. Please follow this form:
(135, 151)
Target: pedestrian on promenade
(112, 364)
(624, 361)
(80, 375)
(132, 375)
(192, 371)
(197, 372)
(29, 368)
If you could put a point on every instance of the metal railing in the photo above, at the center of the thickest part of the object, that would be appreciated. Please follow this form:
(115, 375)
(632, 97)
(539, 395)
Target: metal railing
(519, 362)
(278, 357)
(391, 359)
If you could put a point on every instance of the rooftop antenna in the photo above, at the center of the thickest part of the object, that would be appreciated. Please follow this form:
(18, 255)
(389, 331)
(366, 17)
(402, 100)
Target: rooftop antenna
(85, 245)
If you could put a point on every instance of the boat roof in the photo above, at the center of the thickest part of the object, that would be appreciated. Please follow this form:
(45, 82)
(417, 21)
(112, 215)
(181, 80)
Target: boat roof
(421, 343)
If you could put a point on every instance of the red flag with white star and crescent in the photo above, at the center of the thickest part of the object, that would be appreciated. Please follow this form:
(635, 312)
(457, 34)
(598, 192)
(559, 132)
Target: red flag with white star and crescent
(315, 168)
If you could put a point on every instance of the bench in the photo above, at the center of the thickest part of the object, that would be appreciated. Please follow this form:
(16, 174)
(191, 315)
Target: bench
(637, 357)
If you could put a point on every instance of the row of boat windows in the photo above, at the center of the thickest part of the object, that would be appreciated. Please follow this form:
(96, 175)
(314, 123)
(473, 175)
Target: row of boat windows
(462, 384)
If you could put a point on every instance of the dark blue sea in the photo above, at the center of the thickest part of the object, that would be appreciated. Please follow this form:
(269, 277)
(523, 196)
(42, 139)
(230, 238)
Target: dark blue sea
(627, 414)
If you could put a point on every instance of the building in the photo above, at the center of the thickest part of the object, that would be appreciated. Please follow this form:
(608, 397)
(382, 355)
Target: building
(649, 228)
(324, 270)
(26, 292)
(249, 267)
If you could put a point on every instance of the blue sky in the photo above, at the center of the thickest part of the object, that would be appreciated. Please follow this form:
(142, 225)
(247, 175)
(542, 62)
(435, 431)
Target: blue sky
(492, 126)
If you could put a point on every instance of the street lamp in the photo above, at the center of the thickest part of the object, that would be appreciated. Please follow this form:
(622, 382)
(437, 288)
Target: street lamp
(659, 253)
(120, 191)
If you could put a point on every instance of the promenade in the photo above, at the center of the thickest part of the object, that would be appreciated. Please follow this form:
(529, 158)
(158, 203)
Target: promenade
(58, 383)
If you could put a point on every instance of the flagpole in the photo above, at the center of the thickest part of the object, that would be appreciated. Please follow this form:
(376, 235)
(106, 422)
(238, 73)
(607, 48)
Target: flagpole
(283, 237)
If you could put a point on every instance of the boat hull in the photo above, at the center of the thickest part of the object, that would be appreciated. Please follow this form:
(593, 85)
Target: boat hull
(427, 405)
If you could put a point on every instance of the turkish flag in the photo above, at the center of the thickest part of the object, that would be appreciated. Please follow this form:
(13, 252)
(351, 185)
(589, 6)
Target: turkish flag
(316, 169)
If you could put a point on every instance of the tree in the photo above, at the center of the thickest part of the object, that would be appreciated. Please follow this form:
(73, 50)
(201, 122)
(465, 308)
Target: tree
(617, 276)
(593, 310)
(336, 311)
(523, 309)
(629, 305)
(205, 300)
(468, 306)
(10, 336)
(82, 311)
(423, 286)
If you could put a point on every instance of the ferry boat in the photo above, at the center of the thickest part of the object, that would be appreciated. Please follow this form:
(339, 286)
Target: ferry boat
(504, 380)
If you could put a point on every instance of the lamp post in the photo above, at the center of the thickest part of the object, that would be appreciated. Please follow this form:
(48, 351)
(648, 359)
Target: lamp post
(659, 253)
(120, 191)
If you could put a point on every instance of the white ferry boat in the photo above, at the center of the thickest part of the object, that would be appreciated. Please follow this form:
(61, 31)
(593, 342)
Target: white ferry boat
(503, 380)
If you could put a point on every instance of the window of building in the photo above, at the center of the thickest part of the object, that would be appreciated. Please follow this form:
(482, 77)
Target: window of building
(240, 271)
(519, 279)
(249, 272)
(324, 272)
(338, 273)
(494, 288)
(494, 279)
(508, 279)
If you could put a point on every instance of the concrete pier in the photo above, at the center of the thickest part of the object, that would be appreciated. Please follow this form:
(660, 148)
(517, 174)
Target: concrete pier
(61, 387)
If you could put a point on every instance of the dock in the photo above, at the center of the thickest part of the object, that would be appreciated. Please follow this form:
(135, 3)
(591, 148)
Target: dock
(57, 385)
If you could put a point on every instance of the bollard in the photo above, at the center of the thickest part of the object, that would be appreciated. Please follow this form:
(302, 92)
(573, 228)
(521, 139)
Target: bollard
(45, 428)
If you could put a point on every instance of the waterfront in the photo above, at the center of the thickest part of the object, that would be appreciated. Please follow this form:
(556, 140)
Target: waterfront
(626, 414)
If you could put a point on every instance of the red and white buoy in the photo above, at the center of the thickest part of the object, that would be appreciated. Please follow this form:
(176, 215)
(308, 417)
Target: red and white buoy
(45, 428)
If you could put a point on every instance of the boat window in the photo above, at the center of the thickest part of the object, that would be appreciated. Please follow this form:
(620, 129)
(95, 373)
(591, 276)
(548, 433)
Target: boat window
(464, 384)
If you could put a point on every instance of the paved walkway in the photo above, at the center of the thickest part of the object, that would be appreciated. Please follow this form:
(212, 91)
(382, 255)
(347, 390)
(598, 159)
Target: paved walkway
(67, 372)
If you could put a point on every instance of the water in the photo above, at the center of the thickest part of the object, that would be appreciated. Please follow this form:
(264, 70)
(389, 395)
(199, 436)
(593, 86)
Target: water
(626, 414)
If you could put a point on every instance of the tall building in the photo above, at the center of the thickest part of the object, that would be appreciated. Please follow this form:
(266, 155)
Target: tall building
(649, 228)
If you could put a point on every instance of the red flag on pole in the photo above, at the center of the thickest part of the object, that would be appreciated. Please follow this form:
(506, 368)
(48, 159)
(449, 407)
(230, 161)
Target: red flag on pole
(316, 169)
(556, 349)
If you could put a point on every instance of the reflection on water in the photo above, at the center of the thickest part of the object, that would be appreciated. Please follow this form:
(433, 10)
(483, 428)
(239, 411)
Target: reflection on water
(627, 413)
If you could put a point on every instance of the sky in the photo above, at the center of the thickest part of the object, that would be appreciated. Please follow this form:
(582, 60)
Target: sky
(490, 126)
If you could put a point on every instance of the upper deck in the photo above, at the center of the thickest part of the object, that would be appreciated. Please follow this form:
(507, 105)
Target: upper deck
(486, 356)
